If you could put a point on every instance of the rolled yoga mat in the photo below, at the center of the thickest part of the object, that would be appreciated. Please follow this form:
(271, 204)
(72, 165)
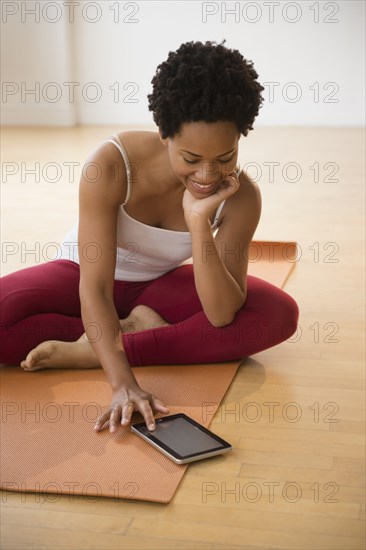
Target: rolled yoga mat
(47, 417)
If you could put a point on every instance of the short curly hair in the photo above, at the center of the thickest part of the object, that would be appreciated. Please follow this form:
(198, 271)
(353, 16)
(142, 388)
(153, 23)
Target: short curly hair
(204, 82)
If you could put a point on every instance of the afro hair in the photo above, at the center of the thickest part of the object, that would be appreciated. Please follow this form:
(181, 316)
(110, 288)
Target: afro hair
(204, 82)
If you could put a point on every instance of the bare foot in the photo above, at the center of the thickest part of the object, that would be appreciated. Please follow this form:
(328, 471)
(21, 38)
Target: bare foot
(65, 355)
(143, 318)
(54, 354)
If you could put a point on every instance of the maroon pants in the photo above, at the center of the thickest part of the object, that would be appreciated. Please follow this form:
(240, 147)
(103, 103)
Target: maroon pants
(42, 303)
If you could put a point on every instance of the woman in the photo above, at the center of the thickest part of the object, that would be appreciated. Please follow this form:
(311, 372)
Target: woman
(120, 276)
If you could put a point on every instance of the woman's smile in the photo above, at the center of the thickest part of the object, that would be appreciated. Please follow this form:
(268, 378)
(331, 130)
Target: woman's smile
(200, 188)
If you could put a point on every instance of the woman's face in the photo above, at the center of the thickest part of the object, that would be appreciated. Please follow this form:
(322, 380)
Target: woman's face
(202, 154)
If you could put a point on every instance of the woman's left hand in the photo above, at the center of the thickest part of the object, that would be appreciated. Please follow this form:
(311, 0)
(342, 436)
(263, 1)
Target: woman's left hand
(202, 209)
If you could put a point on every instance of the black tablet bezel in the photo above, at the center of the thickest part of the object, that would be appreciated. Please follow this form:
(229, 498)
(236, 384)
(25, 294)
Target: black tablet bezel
(142, 428)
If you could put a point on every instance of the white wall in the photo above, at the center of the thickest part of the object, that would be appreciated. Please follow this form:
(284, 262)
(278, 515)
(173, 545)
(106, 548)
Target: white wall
(309, 53)
(34, 54)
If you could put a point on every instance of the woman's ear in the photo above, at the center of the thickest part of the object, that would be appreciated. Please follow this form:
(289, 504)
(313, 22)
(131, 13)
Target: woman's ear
(163, 140)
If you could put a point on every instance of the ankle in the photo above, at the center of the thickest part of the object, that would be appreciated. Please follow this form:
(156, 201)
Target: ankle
(130, 324)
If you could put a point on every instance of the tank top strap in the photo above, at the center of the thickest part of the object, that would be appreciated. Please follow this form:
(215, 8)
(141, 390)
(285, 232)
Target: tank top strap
(221, 205)
(122, 150)
(218, 212)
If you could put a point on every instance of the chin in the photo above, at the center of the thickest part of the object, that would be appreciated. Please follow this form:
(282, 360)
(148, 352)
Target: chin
(199, 195)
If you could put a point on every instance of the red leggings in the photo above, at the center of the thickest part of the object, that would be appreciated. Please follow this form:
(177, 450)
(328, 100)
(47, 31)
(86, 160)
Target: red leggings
(42, 303)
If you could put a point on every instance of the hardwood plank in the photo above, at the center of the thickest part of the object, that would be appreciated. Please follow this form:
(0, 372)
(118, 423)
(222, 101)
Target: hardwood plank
(309, 475)
(257, 538)
(65, 520)
(301, 448)
(38, 538)
(267, 496)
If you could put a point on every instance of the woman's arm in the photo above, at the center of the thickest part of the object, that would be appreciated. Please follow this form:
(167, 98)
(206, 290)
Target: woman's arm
(220, 263)
(99, 201)
(102, 327)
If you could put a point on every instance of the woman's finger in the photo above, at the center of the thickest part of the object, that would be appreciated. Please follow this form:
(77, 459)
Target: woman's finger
(114, 418)
(113, 414)
(101, 420)
(127, 413)
(159, 405)
(233, 184)
(147, 413)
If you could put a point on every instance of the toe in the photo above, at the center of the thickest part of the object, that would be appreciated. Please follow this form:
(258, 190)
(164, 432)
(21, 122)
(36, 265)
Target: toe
(24, 364)
(29, 360)
(25, 367)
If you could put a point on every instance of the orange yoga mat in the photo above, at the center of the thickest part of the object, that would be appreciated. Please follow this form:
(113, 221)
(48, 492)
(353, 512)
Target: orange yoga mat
(47, 418)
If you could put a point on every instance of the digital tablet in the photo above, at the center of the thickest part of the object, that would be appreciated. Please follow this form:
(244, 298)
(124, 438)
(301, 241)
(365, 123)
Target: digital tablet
(182, 439)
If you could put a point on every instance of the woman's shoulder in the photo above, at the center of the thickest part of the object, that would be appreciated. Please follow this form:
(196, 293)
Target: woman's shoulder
(137, 136)
(245, 203)
(142, 149)
(249, 193)
(246, 181)
(139, 143)
(139, 146)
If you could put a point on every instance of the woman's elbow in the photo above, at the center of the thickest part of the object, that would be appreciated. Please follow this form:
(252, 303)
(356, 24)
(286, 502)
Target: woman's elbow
(230, 316)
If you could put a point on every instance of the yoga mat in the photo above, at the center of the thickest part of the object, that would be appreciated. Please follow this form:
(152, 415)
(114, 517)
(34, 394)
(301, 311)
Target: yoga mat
(47, 418)
(272, 260)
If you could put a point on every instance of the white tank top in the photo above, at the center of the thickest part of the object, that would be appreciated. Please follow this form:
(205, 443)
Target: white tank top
(144, 252)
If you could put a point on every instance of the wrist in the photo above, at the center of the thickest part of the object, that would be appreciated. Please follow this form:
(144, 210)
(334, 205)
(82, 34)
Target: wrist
(198, 223)
(123, 384)
(120, 374)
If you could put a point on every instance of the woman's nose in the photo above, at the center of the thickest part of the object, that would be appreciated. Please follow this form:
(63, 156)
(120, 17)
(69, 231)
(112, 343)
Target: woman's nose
(207, 176)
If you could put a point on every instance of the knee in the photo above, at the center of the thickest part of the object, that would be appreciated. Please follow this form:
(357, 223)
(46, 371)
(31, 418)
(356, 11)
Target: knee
(287, 315)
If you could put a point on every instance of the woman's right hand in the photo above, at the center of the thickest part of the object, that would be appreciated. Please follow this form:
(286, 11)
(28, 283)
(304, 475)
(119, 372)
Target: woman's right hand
(125, 400)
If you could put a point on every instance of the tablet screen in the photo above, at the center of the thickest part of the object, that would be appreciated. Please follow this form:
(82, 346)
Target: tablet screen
(182, 436)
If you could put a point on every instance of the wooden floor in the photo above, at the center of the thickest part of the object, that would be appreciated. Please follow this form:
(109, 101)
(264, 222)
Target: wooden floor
(295, 478)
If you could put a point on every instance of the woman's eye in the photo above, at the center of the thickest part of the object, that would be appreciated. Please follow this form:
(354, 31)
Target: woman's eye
(228, 160)
(221, 161)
